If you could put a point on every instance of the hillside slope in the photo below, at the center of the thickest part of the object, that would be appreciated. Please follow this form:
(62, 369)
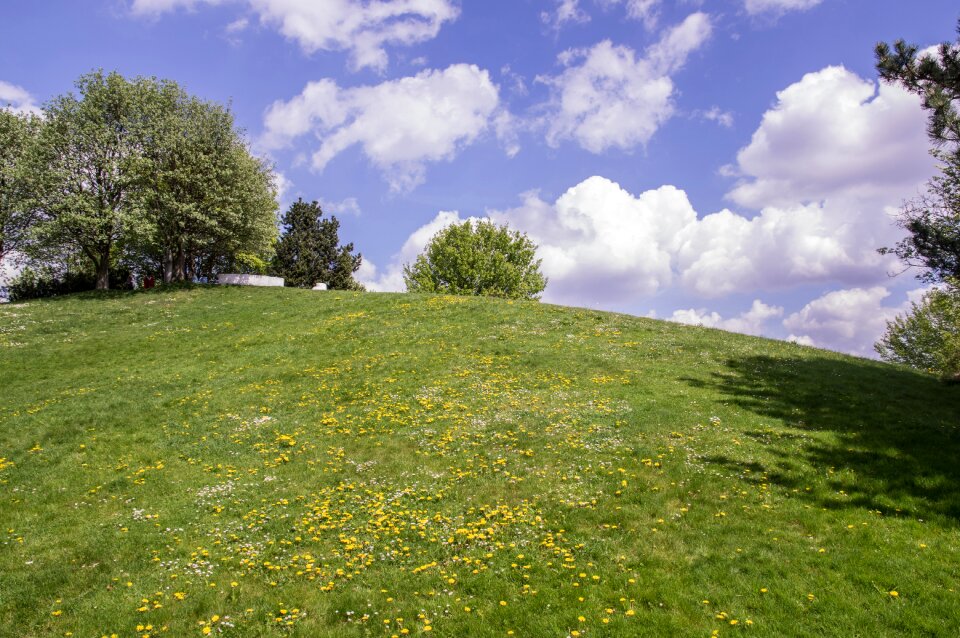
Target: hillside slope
(263, 462)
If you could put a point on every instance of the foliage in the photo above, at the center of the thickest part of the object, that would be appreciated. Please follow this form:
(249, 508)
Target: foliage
(936, 78)
(927, 337)
(250, 264)
(205, 196)
(482, 259)
(80, 170)
(338, 460)
(932, 220)
(141, 173)
(16, 132)
(308, 251)
(48, 281)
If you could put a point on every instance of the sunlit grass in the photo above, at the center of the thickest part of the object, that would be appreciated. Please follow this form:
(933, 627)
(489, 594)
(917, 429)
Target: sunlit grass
(254, 462)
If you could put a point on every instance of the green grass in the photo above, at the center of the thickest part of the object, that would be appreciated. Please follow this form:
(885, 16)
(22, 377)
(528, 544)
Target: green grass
(333, 464)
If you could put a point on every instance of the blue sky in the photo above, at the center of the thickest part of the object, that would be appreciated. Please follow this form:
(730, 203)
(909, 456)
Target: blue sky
(732, 163)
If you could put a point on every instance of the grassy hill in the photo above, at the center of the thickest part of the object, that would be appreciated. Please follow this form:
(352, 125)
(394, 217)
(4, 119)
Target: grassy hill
(263, 462)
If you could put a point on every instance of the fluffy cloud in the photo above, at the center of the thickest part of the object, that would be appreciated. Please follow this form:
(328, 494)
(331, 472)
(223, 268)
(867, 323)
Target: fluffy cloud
(363, 28)
(17, 98)
(786, 246)
(400, 124)
(777, 7)
(850, 320)
(609, 97)
(599, 243)
(835, 134)
(754, 321)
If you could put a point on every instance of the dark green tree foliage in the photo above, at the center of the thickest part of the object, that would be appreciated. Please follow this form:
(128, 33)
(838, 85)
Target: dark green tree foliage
(308, 251)
(936, 78)
(932, 221)
(206, 198)
(481, 259)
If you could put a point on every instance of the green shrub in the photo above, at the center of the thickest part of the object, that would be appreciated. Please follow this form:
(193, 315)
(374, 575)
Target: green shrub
(45, 281)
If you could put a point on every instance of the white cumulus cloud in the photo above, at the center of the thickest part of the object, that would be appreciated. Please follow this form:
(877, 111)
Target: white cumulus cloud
(834, 133)
(400, 124)
(716, 114)
(571, 11)
(849, 320)
(754, 321)
(364, 28)
(601, 244)
(608, 96)
(786, 246)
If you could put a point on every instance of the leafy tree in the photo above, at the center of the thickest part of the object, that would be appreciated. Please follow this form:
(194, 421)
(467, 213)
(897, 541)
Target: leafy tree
(481, 259)
(307, 252)
(16, 132)
(80, 170)
(932, 220)
(205, 197)
(928, 337)
(139, 172)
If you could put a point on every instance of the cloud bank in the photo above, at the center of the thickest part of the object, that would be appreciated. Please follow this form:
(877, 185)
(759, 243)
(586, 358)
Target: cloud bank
(401, 125)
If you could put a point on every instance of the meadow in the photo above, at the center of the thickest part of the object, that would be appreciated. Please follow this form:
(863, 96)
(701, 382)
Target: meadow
(274, 462)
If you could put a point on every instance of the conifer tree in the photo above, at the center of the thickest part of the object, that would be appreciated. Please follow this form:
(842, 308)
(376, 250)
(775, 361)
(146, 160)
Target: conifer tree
(308, 251)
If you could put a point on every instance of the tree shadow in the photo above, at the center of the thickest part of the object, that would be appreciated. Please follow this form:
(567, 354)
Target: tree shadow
(886, 438)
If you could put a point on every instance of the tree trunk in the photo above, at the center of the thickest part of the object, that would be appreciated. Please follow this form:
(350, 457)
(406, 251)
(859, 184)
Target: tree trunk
(167, 264)
(180, 264)
(103, 271)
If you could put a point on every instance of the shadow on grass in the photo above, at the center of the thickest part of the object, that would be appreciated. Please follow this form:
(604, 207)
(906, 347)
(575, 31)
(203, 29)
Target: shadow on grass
(886, 438)
(119, 293)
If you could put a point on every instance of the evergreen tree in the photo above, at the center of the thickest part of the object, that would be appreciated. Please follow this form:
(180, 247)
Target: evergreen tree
(935, 78)
(933, 219)
(308, 251)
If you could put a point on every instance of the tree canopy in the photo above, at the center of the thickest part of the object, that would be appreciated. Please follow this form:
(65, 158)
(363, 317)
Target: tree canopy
(16, 131)
(308, 251)
(478, 259)
(928, 336)
(138, 171)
